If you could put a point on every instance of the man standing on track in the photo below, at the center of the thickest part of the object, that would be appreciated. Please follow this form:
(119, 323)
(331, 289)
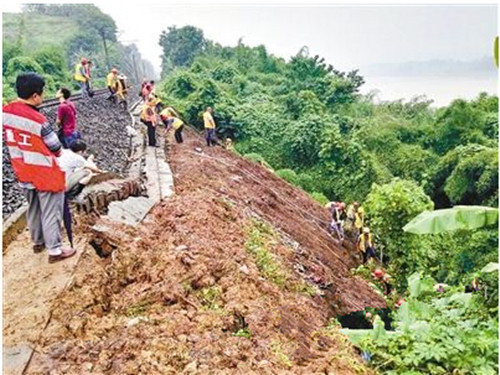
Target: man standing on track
(33, 146)
(66, 118)
(82, 77)
(209, 127)
(112, 82)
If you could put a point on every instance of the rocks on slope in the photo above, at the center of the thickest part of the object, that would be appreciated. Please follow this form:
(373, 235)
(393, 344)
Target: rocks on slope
(103, 127)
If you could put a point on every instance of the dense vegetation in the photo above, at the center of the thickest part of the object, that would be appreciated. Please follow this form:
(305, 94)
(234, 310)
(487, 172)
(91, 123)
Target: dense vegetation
(307, 121)
(51, 39)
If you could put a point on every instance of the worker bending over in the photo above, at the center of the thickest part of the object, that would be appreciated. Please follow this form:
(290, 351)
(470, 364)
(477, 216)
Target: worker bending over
(172, 121)
(78, 170)
(111, 82)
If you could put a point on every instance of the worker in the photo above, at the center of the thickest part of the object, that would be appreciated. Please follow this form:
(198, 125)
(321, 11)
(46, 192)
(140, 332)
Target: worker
(122, 91)
(365, 245)
(337, 210)
(66, 118)
(88, 73)
(147, 90)
(148, 117)
(158, 105)
(82, 77)
(359, 217)
(209, 127)
(229, 145)
(111, 82)
(165, 114)
(33, 147)
(174, 122)
(77, 168)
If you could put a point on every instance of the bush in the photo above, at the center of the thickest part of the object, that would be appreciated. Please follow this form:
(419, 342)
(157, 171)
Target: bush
(389, 208)
(305, 181)
(288, 175)
(22, 64)
(319, 197)
(435, 333)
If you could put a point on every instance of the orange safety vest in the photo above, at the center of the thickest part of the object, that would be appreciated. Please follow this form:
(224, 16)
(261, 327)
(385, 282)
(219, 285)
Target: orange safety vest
(31, 159)
(144, 113)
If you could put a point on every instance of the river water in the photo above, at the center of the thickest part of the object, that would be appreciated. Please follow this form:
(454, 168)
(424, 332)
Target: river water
(441, 89)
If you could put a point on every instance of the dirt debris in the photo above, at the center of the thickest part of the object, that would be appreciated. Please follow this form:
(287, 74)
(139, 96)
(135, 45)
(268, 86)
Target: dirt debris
(173, 299)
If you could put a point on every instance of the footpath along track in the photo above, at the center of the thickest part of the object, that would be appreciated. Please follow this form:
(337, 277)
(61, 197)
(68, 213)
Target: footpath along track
(30, 291)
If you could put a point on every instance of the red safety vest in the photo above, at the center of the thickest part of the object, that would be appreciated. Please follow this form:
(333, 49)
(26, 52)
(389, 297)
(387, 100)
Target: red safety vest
(31, 159)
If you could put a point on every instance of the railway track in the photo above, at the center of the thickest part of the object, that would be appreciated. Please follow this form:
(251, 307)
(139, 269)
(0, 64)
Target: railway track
(53, 102)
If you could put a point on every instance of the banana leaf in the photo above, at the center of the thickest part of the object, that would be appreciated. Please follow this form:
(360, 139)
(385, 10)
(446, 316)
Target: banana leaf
(451, 219)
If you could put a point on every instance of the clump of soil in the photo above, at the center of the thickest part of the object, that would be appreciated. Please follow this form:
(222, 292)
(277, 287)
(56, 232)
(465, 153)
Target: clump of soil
(233, 274)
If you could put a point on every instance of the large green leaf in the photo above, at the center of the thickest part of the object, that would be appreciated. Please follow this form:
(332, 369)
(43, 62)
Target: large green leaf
(490, 267)
(495, 51)
(414, 285)
(450, 219)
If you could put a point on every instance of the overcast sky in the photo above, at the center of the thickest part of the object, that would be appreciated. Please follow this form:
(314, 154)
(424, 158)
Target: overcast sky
(347, 36)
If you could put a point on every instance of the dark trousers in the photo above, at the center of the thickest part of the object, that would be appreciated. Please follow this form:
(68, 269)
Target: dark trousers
(210, 137)
(178, 134)
(151, 133)
(369, 253)
(112, 95)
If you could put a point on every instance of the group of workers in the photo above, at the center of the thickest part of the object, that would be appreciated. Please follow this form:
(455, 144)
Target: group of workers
(115, 82)
(50, 166)
(152, 111)
(352, 221)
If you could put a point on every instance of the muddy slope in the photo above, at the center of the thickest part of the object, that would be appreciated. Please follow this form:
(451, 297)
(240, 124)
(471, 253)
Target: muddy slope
(234, 274)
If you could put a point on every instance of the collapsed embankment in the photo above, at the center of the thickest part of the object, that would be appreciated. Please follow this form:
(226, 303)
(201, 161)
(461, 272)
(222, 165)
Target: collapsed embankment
(233, 274)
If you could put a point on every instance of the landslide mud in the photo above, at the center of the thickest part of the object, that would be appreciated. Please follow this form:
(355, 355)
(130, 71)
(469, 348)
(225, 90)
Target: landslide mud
(182, 292)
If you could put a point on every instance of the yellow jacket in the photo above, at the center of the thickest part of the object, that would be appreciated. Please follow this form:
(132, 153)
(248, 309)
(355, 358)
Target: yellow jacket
(208, 120)
(148, 113)
(111, 80)
(78, 76)
(362, 242)
(359, 218)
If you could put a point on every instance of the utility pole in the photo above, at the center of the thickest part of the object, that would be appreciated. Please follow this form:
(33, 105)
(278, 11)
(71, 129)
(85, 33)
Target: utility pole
(135, 68)
(103, 35)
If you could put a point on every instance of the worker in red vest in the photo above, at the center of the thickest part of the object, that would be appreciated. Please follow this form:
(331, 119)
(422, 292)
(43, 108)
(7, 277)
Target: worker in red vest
(33, 146)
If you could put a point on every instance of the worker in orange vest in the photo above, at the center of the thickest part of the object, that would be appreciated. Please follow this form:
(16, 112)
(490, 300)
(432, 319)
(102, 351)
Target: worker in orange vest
(148, 118)
(33, 146)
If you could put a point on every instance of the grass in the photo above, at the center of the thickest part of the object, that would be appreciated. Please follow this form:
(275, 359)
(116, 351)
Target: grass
(260, 240)
(244, 332)
(210, 297)
(260, 236)
(39, 30)
(140, 308)
(277, 349)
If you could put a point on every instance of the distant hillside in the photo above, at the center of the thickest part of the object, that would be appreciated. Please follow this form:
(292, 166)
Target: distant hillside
(447, 68)
(38, 30)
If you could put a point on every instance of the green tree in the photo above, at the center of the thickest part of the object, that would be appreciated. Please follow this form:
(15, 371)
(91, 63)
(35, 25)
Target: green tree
(52, 62)
(389, 208)
(180, 46)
